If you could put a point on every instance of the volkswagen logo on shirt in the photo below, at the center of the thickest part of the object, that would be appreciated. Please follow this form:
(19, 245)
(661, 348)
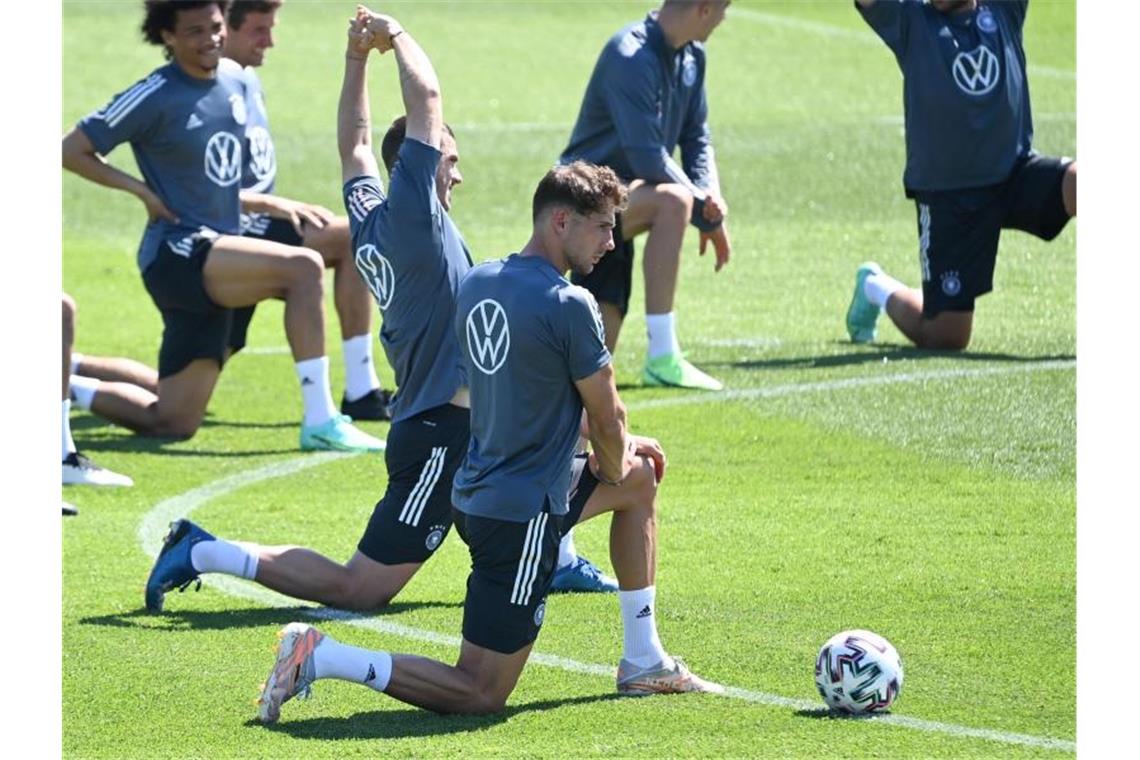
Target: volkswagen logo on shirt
(262, 158)
(377, 272)
(488, 336)
(977, 72)
(223, 159)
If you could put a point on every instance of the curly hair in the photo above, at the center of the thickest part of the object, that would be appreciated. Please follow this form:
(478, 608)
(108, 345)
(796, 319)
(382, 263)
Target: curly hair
(584, 187)
(162, 16)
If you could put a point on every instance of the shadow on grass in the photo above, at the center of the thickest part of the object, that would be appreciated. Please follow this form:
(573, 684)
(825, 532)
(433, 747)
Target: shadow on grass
(887, 353)
(411, 722)
(254, 617)
(823, 713)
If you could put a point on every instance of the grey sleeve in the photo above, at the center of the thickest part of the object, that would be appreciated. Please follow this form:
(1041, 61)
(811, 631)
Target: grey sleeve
(584, 335)
(129, 117)
(889, 19)
(697, 158)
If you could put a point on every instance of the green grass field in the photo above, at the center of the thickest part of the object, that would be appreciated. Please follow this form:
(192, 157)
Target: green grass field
(929, 497)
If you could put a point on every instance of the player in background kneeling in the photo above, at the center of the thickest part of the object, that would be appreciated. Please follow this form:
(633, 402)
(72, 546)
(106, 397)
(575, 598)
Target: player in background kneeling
(971, 169)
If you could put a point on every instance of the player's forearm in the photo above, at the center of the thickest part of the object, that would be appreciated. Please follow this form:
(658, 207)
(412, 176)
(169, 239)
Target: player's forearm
(91, 166)
(354, 121)
(611, 443)
(420, 89)
(258, 203)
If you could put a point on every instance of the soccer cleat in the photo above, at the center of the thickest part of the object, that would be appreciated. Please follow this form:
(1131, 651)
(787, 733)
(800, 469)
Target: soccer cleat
(69, 510)
(79, 470)
(639, 682)
(172, 567)
(675, 371)
(862, 314)
(293, 672)
(582, 575)
(371, 406)
(338, 434)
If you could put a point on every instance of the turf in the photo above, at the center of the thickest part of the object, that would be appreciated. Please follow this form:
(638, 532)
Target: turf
(929, 497)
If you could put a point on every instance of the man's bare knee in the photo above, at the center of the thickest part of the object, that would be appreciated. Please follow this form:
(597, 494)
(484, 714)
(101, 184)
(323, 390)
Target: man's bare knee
(181, 427)
(306, 267)
(674, 202)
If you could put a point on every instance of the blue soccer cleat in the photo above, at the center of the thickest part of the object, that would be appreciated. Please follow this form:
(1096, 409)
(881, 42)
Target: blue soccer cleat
(172, 568)
(583, 575)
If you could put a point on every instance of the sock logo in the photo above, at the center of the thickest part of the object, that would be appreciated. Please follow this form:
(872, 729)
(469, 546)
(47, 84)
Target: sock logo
(371, 674)
(646, 611)
(307, 381)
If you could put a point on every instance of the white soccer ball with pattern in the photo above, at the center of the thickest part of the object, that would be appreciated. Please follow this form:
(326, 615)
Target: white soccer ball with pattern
(858, 672)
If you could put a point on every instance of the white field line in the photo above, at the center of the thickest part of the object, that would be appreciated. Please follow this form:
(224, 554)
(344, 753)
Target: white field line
(266, 350)
(776, 391)
(866, 37)
(154, 525)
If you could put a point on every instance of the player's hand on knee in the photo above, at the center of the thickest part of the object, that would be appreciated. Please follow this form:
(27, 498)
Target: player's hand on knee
(651, 449)
(714, 209)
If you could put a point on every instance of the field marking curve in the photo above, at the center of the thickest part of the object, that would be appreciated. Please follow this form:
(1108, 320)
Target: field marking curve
(864, 37)
(153, 526)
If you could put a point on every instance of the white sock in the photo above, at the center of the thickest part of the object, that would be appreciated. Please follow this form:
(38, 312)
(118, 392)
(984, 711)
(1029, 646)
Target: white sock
(332, 659)
(879, 287)
(314, 377)
(68, 443)
(84, 389)
(229, 557)
(567, 552)
(662, 332)
(359, 374)
(76, 360)
(641, 644)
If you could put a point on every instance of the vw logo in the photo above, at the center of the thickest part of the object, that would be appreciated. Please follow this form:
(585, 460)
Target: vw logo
(262, 159)
(977, 72)
(689, 74)
(377, 273)
(223, 159)
(488, 336)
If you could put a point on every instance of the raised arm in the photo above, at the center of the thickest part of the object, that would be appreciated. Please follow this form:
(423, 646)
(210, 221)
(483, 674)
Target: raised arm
(80, 157)
(419, 84)
(353, 120)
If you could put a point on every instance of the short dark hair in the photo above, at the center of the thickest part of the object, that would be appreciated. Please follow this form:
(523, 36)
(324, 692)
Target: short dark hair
(239, 9)
(582, 186)
(394, 138)
(162, 16)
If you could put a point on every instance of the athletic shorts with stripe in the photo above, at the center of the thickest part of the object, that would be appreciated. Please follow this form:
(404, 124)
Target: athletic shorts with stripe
(193, 326)
(512, 567)
(259, 227)
(414, 516)
(958, 230)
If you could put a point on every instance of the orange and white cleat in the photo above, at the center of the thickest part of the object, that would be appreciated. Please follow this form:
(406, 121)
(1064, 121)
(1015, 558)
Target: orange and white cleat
(293, 672)
(659, 679)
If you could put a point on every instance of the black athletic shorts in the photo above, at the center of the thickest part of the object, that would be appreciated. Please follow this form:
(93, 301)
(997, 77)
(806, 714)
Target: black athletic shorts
(512, 567)
(958, 230)
(612, 279)
(413, 517)
(259, 227)
(193, 326)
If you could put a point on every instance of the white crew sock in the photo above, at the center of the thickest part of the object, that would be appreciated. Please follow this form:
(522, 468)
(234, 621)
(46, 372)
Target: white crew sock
(68, 442)
(662, 331)
(641, 644)
(83, 389)
(76, 360)
(229, 557)
(314, 377)
(359, 374)
(567, 552)
(332, 659)
(879, 287)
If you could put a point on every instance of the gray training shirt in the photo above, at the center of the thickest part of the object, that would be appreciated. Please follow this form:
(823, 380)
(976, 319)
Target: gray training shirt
(186, 135)
(965, 96)
(412, 257)
(259, 170)
(644, 99)
(526, 335)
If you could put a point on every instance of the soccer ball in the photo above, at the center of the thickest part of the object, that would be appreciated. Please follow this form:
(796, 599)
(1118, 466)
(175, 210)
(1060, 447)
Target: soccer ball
(858, 672)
